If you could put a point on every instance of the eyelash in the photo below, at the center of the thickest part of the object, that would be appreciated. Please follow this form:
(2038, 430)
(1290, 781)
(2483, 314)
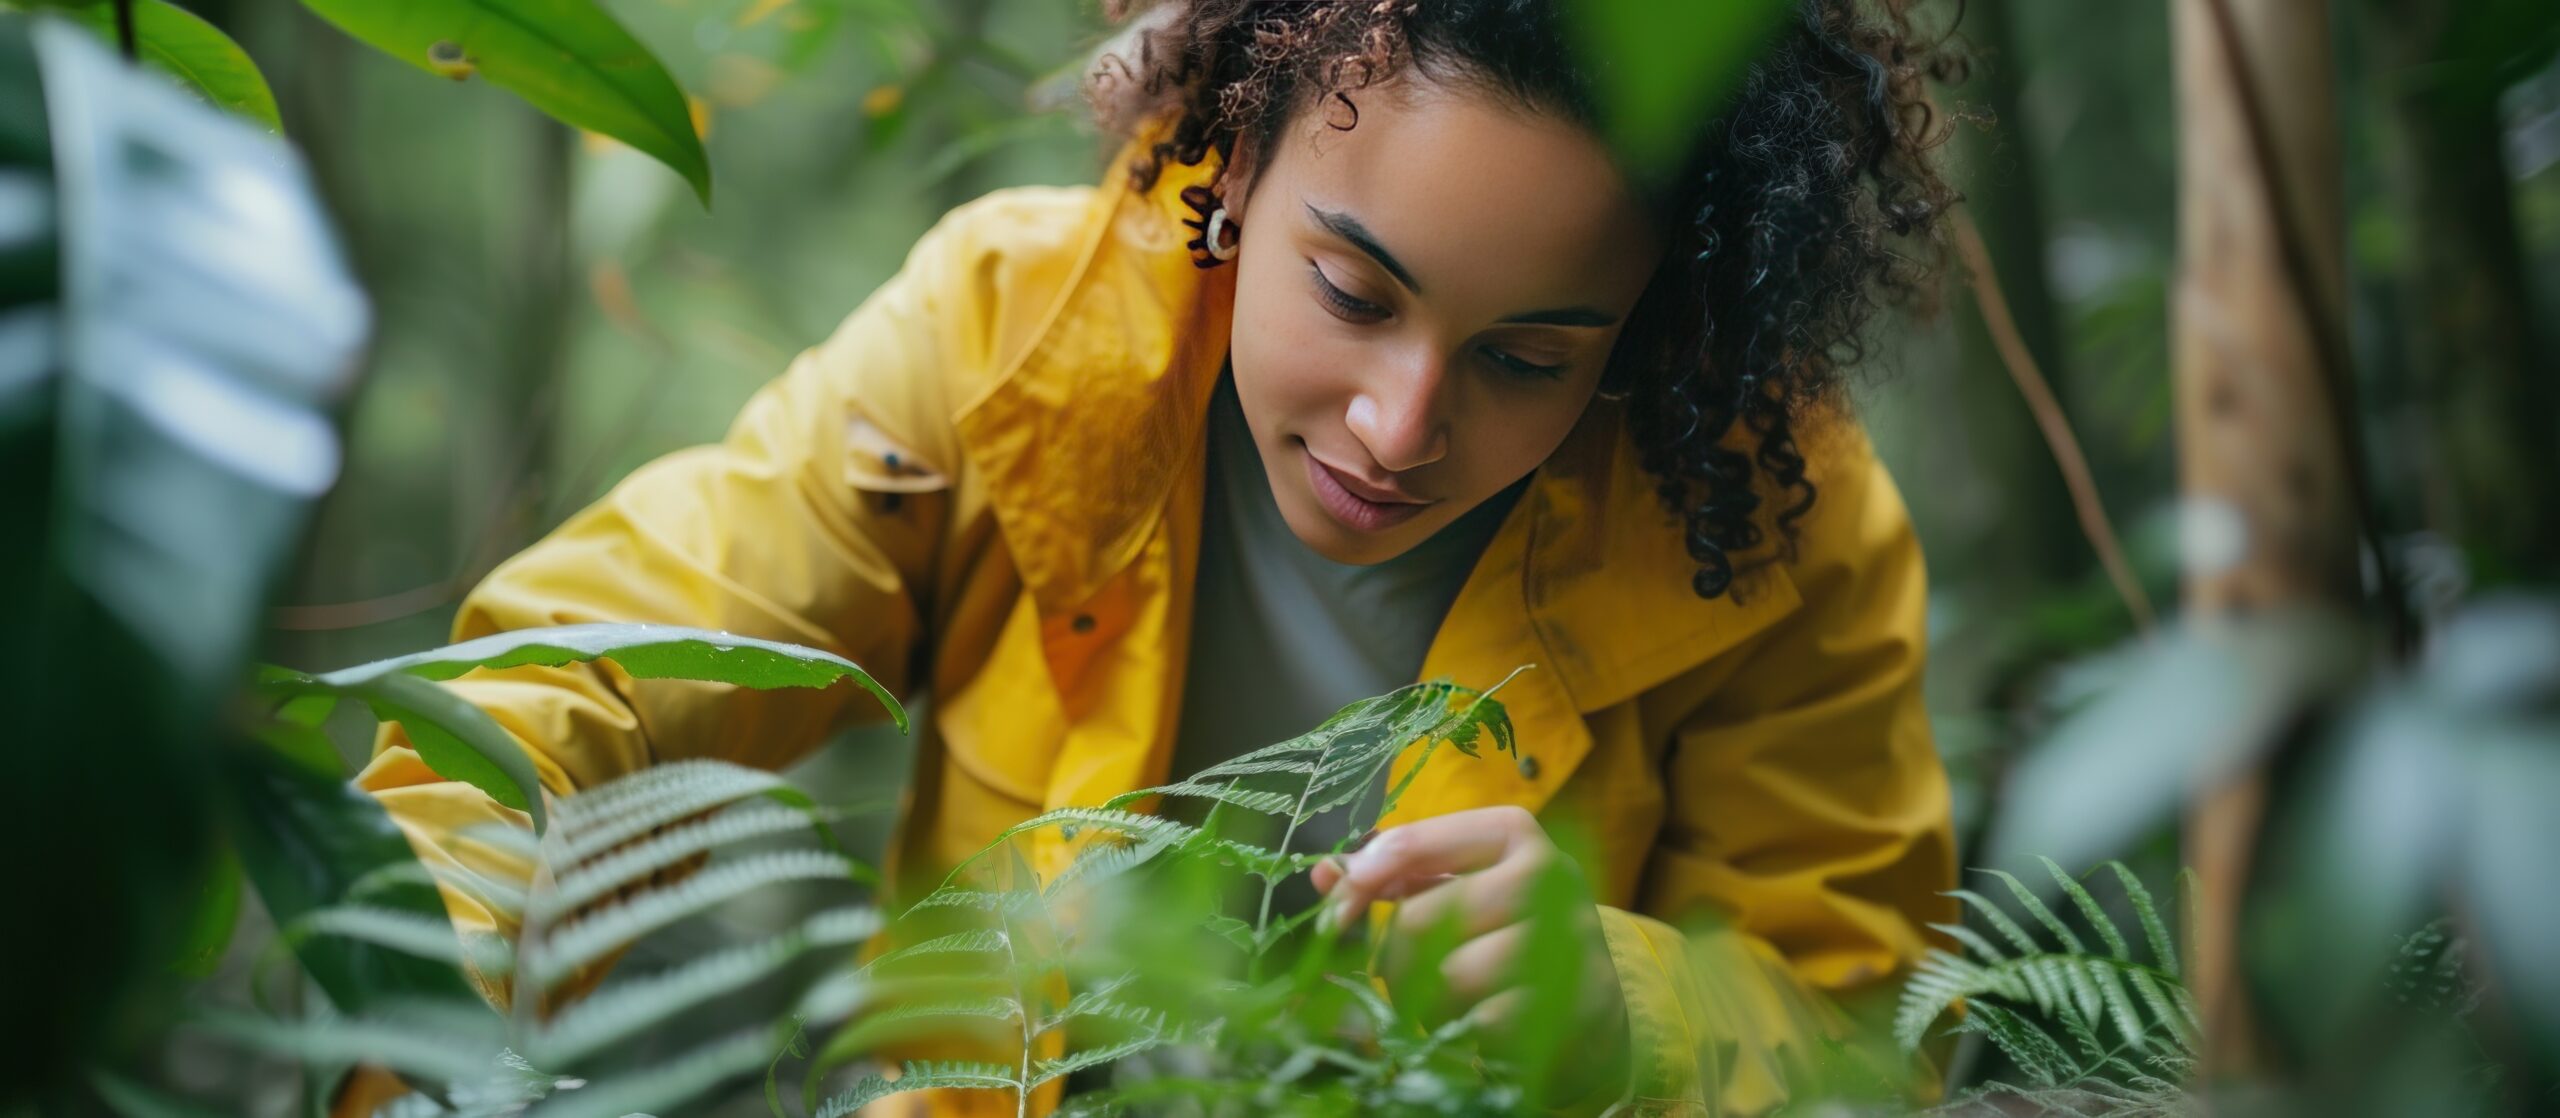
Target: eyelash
(1354, 309)
(1344, 303)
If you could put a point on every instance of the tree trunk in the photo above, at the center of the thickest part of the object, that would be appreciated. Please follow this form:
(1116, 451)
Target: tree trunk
(2261, 391)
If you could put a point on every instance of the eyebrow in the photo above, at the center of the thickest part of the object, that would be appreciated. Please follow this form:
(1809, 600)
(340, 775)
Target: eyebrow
(1348, 228)
(1563, 316)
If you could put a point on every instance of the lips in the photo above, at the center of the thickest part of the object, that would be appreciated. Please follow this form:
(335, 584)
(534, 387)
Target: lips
(1360, 507)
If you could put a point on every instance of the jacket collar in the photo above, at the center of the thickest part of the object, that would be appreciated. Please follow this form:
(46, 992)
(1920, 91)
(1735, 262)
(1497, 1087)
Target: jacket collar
(1079, 445)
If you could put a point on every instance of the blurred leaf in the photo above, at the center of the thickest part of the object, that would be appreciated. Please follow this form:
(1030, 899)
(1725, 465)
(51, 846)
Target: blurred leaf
(215, 913)
(1664, 67)
(645, 651)
(129, 1099)
(305, 839)
(2515, 780)
(2370, 849)
(2192, 704)
(567, 58)
(180, 43)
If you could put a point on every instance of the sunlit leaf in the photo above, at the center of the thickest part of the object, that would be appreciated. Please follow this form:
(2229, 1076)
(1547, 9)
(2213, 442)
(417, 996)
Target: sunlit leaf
(181, 44)
(568, 58)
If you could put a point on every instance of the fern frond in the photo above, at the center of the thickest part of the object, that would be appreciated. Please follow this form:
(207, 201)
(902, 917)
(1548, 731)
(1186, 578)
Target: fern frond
(578, 886)
(666, 1083)
(435, 1047)
(1103, 861)
(1073, 1062)
(410, 933)
(2164, 947)
(1982, 949)
(1260, 801)
(619, 1010)
(2033, 1050)
(1100, 1003)
(600, 933)
(655, 797)
(976, 941)
(978, 900)
(2035, 908)
(920, 1075)
(1999, 921)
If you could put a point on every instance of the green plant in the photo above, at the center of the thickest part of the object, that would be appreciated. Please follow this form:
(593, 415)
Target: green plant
(2127, 1026)
(1077, 972)
(1265, 1016)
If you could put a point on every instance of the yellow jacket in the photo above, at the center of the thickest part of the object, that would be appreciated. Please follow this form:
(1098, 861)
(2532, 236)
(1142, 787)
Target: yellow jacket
(986, 485)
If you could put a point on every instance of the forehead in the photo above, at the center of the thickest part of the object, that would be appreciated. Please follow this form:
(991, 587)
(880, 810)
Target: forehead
(1473, 194)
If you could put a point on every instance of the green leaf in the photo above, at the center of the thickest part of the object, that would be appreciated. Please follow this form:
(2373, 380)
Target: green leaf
(645, 651)
(216, 912)
(305, 839)
(1663, 68)
(181, 44)
(458, 740)
(567, 58)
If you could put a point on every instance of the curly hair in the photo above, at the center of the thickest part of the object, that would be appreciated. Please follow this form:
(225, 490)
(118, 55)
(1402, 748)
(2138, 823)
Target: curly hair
(1804, 207)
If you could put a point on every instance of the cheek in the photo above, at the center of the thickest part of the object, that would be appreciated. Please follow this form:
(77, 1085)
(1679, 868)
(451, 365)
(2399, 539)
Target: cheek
(1293, 361)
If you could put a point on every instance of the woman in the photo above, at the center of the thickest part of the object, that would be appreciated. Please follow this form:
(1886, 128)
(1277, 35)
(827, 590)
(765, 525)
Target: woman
(1366, 363)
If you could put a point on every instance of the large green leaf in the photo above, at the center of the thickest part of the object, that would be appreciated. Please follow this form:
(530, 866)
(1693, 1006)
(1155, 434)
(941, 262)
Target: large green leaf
(456, 739)
(1663, 68)
(567, 58)
(179, 42)
(645, 651)
(306, 836)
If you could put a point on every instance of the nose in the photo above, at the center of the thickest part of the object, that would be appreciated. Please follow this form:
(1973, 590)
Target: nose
(1401, 416)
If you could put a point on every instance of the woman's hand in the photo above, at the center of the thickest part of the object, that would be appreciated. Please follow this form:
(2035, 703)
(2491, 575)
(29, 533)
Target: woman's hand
(1477, 870)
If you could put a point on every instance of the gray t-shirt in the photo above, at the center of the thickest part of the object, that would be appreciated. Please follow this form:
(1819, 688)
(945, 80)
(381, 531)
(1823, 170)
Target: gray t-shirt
(1282, 637)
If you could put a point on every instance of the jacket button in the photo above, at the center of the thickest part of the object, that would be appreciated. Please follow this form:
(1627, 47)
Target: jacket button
(1528, 768)
(1082, 624)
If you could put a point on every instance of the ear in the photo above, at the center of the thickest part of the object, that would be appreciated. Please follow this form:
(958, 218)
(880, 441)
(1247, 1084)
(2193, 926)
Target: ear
(1237, 179)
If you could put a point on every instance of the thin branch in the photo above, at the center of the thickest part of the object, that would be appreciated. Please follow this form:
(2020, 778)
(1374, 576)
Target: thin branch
(125, 38)
(2050, 420)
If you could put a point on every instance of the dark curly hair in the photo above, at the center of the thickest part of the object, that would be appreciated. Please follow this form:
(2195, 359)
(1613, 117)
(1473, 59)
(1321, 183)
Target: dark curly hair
(1804, 207)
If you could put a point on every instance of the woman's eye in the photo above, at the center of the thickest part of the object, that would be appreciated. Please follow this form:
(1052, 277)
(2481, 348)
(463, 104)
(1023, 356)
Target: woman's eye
(1513, 363)
(1349, 307)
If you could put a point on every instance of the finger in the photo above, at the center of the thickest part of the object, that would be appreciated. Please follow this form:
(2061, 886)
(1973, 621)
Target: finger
(1474, 903)
(1501, 1012)
(1328, 871)
(1460, 842)
(1483, 966)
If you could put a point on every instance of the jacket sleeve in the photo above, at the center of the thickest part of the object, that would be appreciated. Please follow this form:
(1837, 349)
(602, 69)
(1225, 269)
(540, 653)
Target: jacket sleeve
(1808, 832)
(798, 526)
